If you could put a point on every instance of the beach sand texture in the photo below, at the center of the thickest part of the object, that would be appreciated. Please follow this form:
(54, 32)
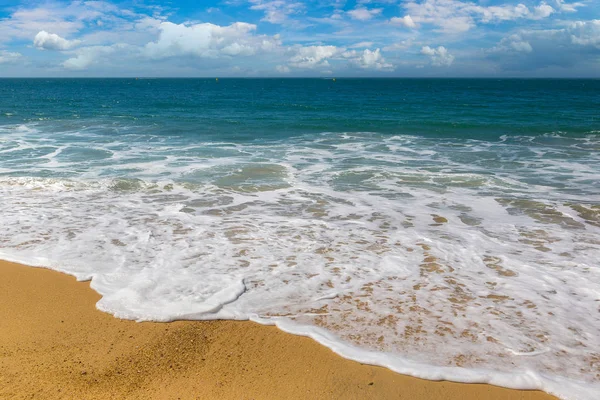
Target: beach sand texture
(54, 344)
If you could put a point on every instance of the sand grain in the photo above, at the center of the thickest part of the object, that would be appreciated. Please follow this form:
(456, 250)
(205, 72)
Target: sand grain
(54, 344)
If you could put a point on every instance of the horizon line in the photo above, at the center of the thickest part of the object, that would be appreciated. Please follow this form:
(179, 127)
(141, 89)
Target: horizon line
(301, 77)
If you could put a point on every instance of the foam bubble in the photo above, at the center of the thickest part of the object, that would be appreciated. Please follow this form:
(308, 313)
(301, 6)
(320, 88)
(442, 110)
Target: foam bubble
(439, 258)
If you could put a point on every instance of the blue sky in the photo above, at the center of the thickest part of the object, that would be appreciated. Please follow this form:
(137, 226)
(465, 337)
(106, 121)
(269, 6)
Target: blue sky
(497, 38)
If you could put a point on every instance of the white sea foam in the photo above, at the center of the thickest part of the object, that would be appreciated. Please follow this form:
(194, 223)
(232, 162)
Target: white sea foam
(465, 260)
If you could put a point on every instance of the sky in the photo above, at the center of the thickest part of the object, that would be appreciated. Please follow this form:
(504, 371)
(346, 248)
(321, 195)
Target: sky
(300, 38)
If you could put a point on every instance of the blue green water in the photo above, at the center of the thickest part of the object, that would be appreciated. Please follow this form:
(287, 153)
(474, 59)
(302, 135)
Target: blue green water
(444, 228)
(273, 108)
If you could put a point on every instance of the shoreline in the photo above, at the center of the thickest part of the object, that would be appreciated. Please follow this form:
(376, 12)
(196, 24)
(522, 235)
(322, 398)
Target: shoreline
(55, 344)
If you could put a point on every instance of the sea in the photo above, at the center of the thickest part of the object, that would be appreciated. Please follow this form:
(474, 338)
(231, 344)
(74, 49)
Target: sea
(442, 228)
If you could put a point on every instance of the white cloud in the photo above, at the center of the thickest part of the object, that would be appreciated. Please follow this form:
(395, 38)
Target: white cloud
(335, 19)
(585, 33)
(276, 11)
(504, 12)
(574, 45)
(368, 59)
(576, 35)
(512, 43)
(455, 16)
(516, 43)
(439, 57)
(313, 57)
(9, 56)
(406, 21)
(63, 19)
(364, 14)
(103, 38)
(566, 7)
(403, 45)
(209, 41)
(542, 11)
(51, 41)
(310, 57)
(85, 57)
(218, 46)
(26, 23)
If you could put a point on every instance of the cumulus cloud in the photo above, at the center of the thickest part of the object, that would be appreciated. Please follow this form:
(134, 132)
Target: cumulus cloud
(25, 23)
(584, 33)
(576, 36)
(310, 57)
(368, 59)
(514, 43)
(406, 21)
(578, 42)
(541, 11)
(63, 19)
(219, 46)
(106, 39)
(9, 56)
(51, 41)
(438, 57)
(85, 57)
(364, 14)
(209, 41)
(455, 16)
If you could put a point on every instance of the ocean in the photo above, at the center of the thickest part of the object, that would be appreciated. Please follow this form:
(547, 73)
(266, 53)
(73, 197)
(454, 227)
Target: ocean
(442, 228)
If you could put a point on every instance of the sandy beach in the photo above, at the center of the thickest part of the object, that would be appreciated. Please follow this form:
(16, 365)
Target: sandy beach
(54, 344)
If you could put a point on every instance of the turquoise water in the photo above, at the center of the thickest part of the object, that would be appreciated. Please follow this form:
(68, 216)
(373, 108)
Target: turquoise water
(441, 228)
(253, 109)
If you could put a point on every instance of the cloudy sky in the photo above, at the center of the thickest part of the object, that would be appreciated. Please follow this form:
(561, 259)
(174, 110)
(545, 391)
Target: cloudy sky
(529, 38)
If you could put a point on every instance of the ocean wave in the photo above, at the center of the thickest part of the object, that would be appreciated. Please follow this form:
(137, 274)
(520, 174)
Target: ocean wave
(460, 259)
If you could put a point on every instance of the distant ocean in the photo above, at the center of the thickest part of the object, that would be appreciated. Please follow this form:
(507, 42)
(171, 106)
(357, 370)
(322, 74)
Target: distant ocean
(447, 229)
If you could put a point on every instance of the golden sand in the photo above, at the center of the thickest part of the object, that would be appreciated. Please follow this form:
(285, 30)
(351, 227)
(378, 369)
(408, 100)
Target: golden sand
(54, 344)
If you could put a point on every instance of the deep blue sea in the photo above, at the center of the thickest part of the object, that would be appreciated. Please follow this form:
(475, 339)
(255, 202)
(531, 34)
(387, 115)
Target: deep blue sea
(443, 228)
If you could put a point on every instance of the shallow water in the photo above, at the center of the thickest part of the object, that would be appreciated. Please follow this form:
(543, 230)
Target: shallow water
(442, 228)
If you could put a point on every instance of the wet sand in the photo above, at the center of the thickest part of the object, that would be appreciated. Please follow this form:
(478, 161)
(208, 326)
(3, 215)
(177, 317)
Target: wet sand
(54, 344)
